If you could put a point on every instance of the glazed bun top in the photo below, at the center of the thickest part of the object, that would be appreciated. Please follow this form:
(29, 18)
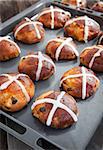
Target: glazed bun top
(7, 79)
(36, 65)
(29, 31)
(96, 50)
(54, 17)
(61, 102)
(79, 77)
(7, 39)
(8, 48)
(61, 47)
(88, 23)
(26, 22)
(16, 90)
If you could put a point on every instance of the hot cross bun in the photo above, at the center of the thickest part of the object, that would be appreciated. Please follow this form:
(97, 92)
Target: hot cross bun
(82, 28)
(37, 66)
(54, 17)
(79, 82)
(16, 90)
(8, 49)
(92, 57)
(28, 31)
(62, 49)
(55, 109)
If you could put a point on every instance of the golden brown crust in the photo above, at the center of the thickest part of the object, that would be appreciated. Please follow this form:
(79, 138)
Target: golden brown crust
(8, 50)
(61, 118)
(66, 53)
(87, 55)
(74, 2)
(73, 86)
(98, 6)
(29, 66)
(12, 98)
(28, 33)
(76, 30)
(59, 20)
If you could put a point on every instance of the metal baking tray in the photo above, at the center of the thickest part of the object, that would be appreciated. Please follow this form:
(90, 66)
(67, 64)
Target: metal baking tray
(87, 132)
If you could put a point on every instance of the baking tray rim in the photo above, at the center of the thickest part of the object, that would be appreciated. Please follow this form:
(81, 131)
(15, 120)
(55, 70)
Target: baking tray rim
(5, 25)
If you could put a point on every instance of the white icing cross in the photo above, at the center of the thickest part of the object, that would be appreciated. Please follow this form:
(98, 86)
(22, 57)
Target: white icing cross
(8, 38)
(41, 58)
(29, 22)
(100, 40)
(97, 54)
(84, 76)
(88, 21)
(15, 79)
(56, 104)
(52, 11)
(86, 30)
(63, 43)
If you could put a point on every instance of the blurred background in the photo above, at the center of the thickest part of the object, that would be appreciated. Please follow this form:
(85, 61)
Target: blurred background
(9, 8)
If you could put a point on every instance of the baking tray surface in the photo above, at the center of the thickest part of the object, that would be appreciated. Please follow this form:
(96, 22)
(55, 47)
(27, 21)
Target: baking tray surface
(79, 135)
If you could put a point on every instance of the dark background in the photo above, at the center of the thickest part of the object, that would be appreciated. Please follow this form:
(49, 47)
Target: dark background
(9, 8)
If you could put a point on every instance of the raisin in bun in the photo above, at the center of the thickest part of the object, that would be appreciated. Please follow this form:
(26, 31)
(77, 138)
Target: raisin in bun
(28, 31)
(98, 6)
(37, 66)
(8, 49)
(77, 3)
(16, 90)
(55, 109)
(82, 28)
(79, 82)
(62, 49)
(100, 39)
(92, 57)
(54, 17)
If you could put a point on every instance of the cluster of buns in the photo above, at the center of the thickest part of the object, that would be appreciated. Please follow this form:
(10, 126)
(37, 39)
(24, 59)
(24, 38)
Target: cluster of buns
(57, 109)
(97, 5)
(77, 3)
